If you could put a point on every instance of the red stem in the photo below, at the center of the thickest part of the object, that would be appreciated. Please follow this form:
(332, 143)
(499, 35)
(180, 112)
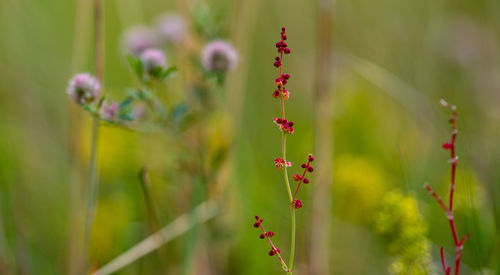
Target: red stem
(271, 243)
(443, 262)
(436, 196)
(449, 209)
(282, 86)
(301, 180)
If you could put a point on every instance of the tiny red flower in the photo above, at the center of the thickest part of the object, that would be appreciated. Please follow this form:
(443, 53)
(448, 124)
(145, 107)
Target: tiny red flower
(297, 204)
(280, 163)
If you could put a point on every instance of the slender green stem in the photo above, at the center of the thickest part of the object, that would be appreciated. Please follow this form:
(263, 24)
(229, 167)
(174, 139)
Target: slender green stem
(292, 249)
(285, 174)
(93, 182)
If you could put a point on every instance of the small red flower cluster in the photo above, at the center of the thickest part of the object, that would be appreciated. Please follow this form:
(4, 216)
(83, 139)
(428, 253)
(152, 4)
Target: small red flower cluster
(302, 179)
(278, 63)
(285, 125)
(268, 235)
(280, 163)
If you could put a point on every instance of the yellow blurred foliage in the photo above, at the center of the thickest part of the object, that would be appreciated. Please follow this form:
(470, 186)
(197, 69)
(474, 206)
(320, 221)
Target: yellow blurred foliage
(358, 187)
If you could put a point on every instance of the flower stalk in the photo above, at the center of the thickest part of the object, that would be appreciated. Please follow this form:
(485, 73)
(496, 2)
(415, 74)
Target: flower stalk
(459, 243)
(93, 174)
(286, 128)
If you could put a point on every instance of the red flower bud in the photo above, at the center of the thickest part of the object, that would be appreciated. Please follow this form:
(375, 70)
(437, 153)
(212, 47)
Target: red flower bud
(310, 169)
(306, 181)
(286, 94)
(297, 204)
(262, 236)
(311, 158)
(447, 145)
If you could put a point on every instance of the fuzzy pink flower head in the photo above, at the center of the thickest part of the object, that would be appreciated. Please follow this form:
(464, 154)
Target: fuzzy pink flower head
(171, 27)
(84, 88)
(109, 109)
(137, 39)
(152, 59)
(219, 56)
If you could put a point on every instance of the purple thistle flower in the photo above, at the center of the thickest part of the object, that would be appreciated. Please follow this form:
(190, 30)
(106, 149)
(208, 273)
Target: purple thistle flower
(219, 56)
(137, 39)
(84, 88)
(152, 59)
(171, 27)
(109, 109)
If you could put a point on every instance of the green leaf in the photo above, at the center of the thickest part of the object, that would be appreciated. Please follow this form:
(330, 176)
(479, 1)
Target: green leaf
(101, 100)
(157, 72)
(87, 107)
(168, 72)
(136, 65)
(133, 92)
(178, 112)
(129, 115)
(125, 103)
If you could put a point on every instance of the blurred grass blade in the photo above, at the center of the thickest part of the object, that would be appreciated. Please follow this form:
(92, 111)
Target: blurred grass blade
(321, 221)
(396, 87)
(202, 213)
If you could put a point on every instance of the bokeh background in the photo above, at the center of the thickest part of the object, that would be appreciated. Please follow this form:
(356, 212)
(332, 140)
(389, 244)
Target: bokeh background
(373, 117)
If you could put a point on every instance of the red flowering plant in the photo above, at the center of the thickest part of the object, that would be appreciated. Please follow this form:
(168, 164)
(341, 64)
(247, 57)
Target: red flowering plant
(448, 209)
(281, 162)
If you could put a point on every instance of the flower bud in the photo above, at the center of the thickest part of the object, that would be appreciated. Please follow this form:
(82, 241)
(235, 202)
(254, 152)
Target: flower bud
(172, 28)
(310, 158)
(219, 56)
(138, 39)
(297, 204)
(109, 109)
(152, 59)
(84, 88)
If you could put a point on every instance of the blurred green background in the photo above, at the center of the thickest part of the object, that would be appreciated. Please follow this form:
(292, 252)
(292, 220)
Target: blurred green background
(393, 61)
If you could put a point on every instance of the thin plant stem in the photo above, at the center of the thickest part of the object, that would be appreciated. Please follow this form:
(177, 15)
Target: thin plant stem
(321, 220)
(146, 189)
(273, 247)
(285, 175)
(153, 218)
(202, 213)
(93, 173)
(285, 172)
(93, 184)
(292, 249)
(459, 243)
